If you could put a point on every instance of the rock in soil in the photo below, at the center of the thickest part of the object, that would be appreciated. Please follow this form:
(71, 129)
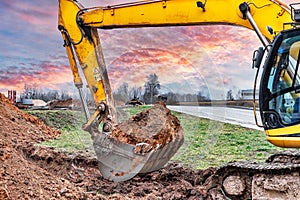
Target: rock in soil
(155, 126)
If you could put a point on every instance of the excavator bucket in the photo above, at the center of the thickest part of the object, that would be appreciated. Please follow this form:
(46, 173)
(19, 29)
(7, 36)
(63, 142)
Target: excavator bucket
(124, 155)
(118, 162)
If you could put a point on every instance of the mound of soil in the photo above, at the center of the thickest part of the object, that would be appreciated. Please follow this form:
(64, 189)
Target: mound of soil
(19, 127)
(33, 172)
(20, 178)
(65, 103)
(155, 126)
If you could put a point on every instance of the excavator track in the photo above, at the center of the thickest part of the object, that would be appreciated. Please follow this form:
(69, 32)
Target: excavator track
(291, 156)
(277, 177)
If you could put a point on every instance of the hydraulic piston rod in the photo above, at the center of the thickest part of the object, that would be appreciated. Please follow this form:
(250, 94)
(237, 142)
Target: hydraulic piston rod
(245, 9)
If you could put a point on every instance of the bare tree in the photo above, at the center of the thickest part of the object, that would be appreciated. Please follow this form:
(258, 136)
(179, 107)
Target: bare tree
(152, 87)
(29, 92)
(172, 98)
(122, 93)
(33, 92)
(135, 92)
(229, 95)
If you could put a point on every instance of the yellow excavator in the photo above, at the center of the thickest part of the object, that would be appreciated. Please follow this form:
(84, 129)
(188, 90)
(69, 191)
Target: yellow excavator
(274, 23)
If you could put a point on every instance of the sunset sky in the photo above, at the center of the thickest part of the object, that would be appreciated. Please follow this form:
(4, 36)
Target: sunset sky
(185, 59)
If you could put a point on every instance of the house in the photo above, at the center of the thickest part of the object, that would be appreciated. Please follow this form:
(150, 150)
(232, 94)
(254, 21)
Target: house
(248, 94)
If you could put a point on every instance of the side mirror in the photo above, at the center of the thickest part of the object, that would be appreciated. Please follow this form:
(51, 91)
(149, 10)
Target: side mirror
(257, 57)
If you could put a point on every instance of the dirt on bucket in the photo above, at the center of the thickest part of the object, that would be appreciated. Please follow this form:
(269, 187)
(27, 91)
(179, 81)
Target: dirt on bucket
(155, 126)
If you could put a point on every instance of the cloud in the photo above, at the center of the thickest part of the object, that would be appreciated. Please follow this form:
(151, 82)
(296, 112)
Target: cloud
(32, 13)
(42, 75)
(29, 29)
(215, 58)
(175, 72)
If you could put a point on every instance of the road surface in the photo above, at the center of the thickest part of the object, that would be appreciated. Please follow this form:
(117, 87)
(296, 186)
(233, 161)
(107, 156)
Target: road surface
(239, 116)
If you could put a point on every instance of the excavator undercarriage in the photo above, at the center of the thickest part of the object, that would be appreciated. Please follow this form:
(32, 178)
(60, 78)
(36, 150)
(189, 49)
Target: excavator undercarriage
(277, 178)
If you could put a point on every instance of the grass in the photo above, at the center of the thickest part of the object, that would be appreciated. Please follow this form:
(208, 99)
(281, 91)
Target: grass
(207, 143)
(73, 138)
(60, 119)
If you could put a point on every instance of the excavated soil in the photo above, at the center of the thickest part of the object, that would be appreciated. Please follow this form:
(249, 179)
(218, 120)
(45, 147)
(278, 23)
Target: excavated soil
(28, 171)
(155, 126)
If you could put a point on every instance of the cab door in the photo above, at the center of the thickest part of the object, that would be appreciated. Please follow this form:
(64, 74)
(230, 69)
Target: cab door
(279, 95)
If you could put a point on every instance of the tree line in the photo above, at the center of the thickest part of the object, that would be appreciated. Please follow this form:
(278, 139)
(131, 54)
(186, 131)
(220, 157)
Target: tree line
(33, 92)
(151, 93)
(148, 94)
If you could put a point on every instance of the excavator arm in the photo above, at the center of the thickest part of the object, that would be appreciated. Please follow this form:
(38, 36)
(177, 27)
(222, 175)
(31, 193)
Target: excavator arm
(78, 26)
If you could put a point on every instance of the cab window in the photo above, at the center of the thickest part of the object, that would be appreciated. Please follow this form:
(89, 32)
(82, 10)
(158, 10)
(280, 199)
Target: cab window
(284, 81)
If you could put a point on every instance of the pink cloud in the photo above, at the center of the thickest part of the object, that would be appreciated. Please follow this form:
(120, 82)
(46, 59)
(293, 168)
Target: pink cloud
(46, 76)
(133, 67)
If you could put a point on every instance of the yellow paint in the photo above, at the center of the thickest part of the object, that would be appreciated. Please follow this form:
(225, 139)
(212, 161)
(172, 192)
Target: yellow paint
(86, 51)
(285, 142)
(275, 136)
(186, 12)
(286, 131)
(155, 13)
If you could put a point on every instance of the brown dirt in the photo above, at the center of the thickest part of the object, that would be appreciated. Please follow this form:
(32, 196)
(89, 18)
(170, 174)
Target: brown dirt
(276, 186)
(66, 103)
(32, 172)
(155, 126)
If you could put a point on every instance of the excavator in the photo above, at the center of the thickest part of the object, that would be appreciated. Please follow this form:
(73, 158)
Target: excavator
(276, 26)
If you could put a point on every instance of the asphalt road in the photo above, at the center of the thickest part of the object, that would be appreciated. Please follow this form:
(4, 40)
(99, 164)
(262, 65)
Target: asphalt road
(239, 116)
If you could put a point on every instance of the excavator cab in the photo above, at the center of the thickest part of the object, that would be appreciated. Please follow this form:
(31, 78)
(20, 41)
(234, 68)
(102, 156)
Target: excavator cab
(279, 94)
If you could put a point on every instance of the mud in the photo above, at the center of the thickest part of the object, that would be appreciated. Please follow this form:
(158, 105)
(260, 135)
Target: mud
(66, 103)
(155, 126)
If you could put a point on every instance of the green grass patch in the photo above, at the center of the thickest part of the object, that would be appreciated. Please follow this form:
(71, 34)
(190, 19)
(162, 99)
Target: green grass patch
(137, 109)
(207, 143)
(73, 138)
(60, 119)
(71, 141)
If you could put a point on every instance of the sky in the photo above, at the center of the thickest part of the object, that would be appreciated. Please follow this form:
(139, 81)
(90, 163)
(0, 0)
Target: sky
(186, 59)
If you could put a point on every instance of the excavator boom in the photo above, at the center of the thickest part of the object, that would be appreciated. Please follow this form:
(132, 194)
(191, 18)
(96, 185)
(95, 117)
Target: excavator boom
(187, 13)
(78, 26)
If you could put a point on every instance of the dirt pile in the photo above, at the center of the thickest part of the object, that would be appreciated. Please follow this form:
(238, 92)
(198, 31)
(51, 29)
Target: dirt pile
(155, 126)
(28, 171)
(65, 103)
(19, 128)
(20, 178)
(171, 182)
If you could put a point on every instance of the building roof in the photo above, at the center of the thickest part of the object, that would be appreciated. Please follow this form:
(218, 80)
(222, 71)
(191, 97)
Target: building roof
(38, 102)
